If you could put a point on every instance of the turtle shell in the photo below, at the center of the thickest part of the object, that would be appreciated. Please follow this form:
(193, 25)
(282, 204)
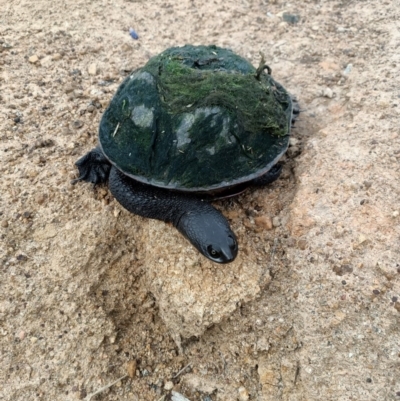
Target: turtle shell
(197, 119)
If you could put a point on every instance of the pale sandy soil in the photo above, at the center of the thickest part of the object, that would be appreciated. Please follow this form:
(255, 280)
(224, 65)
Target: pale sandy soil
(310, 310)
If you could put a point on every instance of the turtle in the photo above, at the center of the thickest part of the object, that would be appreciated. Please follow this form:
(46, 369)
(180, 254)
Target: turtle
(194, 124)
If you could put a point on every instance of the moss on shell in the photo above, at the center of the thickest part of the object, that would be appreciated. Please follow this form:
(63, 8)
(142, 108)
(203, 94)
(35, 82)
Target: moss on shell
(196, 118)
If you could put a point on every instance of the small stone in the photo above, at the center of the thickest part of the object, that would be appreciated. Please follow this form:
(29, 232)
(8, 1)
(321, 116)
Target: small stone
(131, 368)
(93, 70)
(293, 141)
(395, 213)
(168, 386)
(21, 335)
(397, 306)
(33, 59)
(57, 56)
(327, 92)
(243, 394)
(342, 269)
(291, 18)
(77, 124)
(348, 69)
(302, 244)
(126, 48)
(175, 396)
(46, 61)
(276, 221)
(264, 222)
(315, 28)
(293, 152)
(4, 223)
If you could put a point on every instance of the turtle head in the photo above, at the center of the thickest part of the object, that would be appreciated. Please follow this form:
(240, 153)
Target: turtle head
(209, 231)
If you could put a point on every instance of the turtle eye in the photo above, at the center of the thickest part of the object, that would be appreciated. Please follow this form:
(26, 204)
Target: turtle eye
(215, 254)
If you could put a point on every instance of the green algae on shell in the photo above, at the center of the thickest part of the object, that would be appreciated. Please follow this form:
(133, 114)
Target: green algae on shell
(196, 118)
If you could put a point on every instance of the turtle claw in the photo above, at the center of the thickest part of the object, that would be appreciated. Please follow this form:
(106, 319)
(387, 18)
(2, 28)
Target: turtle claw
(93, 167)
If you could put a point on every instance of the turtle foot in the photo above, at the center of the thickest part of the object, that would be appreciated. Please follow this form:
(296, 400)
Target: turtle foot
(93, 167)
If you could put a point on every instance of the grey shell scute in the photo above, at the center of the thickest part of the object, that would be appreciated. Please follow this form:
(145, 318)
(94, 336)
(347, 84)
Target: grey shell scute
(196, 118)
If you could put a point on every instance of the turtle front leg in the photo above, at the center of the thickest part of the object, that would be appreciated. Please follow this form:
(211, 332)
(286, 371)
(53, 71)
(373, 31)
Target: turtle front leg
(93, 167)
(204, 226)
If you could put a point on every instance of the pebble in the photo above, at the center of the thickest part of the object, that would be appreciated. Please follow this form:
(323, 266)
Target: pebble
(276, 221)
(175, 396)
(46, 61)
(77, 124)
(395, 213)
(293, 152)
(302, 244)
(348, 69)
(293, 141)
(131, 368)
(264, 222)
(4, 223)
(33, 59)
(168, 386)
(327, 92)
(243, 394)
(92, 69)
(291, 18)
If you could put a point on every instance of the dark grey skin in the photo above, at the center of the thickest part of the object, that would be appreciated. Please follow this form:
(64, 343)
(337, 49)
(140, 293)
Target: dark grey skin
(204, 226)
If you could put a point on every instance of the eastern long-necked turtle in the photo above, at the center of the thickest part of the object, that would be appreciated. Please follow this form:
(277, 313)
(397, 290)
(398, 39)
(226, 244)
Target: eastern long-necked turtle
(193, 124)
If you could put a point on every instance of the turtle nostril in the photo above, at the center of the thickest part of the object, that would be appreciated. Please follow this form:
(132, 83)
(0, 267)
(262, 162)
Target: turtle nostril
(232, 243)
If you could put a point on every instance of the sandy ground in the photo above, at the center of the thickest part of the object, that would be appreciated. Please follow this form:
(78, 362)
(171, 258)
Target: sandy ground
(310, 310)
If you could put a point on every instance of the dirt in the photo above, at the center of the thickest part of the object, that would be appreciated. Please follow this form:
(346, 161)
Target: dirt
(90, 294)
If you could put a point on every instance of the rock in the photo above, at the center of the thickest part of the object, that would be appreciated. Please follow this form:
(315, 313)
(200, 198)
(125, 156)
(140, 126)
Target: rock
(77, 124)
(168, 386)
(175, 396)
(327, 92)
(264, 222)
(243, 394)
(131, 368)
(33, 59)
(276, 221)
(291, 18)
(293, 151)
(92, 69)
(302, 244)
(46, 61)
(348, 69)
